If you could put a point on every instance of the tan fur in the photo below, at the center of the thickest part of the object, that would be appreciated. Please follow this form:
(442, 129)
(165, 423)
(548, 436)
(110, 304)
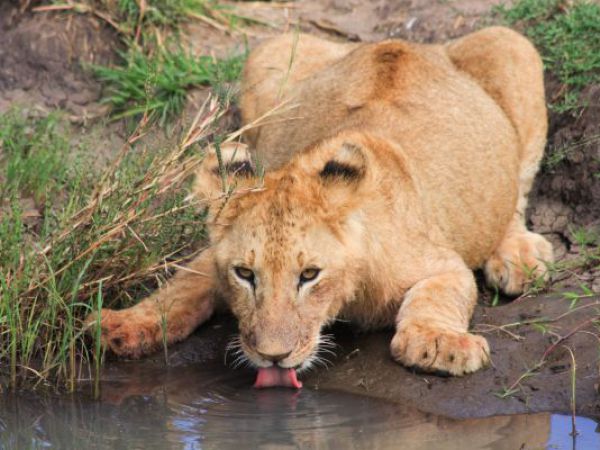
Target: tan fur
(394, 168)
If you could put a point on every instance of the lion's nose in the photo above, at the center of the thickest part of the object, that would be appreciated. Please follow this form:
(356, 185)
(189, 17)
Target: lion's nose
(275, 358)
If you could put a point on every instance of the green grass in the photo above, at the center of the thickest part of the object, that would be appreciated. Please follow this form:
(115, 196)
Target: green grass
(568, 37)
(35, 156)
(557, 154)
(160, 12)
(172, 13)
(157, 84)
(137, 20)
(152, 77)
(98, 236)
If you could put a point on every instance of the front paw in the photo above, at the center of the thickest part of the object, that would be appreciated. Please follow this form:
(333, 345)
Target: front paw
(132, 332)
(432, 349)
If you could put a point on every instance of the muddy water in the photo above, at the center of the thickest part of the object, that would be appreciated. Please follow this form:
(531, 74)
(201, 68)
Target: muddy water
(193, 406)
(196, 401)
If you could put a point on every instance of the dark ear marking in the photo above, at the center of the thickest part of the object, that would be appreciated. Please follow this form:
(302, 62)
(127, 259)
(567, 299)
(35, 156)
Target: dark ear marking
(339, 169)
(348, 164)
(237, 168)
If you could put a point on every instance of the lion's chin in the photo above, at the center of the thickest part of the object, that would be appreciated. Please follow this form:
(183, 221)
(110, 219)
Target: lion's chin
(276, 376)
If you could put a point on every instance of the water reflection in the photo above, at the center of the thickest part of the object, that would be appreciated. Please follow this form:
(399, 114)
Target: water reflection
(200, 407)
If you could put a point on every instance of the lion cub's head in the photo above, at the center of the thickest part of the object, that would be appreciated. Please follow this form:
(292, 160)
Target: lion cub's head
(287, 246)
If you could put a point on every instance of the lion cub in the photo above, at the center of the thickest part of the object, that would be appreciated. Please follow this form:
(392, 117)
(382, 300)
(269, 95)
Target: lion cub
(393, 170)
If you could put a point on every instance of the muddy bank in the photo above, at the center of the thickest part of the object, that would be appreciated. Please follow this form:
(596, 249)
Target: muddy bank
(566, 195)
(363, 365)
(42, 59)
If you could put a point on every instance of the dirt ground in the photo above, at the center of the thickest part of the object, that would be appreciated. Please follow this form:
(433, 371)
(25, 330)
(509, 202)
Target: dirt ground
(42, 66)
(42, 58)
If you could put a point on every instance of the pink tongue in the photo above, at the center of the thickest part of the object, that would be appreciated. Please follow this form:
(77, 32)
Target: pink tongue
(276, 376)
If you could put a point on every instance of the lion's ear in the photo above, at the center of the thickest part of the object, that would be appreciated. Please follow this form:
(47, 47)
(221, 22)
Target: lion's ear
(225, 168)
(342, 172)
(347, 166)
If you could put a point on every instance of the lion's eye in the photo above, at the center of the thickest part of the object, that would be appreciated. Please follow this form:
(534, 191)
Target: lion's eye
(245, 274)
(309, 274)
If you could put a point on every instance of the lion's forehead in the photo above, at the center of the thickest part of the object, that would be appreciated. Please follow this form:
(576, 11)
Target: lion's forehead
(278, 224)
(283, 244)
(279, 218)
(281, 241)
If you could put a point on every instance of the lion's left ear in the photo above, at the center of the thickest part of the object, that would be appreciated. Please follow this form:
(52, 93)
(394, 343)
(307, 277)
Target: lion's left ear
(342, 173)
(229, 167)
(347, 167)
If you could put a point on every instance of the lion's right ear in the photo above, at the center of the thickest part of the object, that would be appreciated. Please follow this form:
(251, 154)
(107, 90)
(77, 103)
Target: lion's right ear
(223, 171)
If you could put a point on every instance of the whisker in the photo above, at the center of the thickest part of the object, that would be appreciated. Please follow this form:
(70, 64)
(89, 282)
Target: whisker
(326, 345)
(307, 365)
(234, 346)
(326, 350)
(240, 360)
(328, 339)
(325, 363)
(337, 319)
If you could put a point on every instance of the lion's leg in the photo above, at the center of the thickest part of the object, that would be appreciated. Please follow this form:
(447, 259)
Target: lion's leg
(432, 324)
(519, 260)
(170, 314)
(510, 70)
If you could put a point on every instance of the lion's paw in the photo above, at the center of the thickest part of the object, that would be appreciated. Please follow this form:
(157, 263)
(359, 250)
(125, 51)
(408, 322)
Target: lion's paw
(432, 350)
(129, 332)
(519, 261)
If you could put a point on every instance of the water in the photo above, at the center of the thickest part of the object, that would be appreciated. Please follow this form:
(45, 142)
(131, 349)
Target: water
(199, 406)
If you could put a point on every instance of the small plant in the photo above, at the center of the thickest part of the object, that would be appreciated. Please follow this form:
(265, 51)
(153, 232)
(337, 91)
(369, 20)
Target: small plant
(575, 297)
(568, 36)
(157, 84)
(33, 156)
(515, 388)
(541, 327)
(496, 297)
(584, 237)
(593, 321)
(136, 20)
(98, 351)
(163, 329)
(557, 154)
(574, 431)
(157, 12)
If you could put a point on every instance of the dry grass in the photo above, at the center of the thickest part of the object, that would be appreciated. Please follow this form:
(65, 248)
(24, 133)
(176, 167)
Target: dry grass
(97, 237)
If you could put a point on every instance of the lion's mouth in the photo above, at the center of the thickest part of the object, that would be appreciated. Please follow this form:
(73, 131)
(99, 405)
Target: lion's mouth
(276, 376)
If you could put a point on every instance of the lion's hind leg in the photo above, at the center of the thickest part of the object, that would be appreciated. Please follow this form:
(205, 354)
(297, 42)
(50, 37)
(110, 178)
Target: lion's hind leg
(519, 261)
(510, 70)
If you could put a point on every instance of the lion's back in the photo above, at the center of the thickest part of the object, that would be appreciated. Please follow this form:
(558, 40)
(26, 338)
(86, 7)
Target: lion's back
(462, 148)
